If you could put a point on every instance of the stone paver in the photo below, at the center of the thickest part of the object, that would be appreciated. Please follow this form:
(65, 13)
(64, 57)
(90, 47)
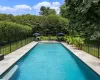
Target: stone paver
(91, 61)
(13, 57)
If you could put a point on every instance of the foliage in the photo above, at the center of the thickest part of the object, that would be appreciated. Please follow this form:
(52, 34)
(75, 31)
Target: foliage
(45, 25)
(84, 16)
(27, 19)
(47, 11)
(56, 24)
(49, 38)
(69, 39)
(63, 10)
(39, 25)
(10, 32)
(6, 17)
(77, 41)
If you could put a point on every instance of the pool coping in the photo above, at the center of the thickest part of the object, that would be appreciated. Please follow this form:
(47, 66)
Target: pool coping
(88, 59)
(13, 57)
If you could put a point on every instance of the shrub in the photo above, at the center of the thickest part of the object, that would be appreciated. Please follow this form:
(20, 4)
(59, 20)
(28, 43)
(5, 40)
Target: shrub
(12, 32)
(77, 41)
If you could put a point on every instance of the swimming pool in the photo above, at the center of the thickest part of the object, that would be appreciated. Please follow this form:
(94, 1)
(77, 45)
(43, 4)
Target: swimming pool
(52, 61)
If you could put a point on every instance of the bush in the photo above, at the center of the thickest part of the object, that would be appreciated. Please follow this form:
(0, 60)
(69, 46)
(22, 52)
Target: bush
(45, 25)
(56, 24)
(77, 41)
(69, 39)
(10, 32)
(49, 38)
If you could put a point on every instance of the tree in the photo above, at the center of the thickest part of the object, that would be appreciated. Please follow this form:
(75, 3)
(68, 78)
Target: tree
(47, 11)
(6, 17)
(63, 10)
(84, 16)
(51, 24)
(56, 24)
(51, 11)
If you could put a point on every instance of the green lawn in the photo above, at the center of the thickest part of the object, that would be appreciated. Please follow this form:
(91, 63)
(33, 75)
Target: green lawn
(48, 37)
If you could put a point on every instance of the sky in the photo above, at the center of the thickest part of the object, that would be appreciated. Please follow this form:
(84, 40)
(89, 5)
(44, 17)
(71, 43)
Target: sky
(19, 7)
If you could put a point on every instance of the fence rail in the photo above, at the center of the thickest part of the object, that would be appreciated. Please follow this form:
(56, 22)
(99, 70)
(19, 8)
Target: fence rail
(8, 48)
(92, 49)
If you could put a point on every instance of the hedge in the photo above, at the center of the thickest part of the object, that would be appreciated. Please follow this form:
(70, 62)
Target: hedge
(10, 32)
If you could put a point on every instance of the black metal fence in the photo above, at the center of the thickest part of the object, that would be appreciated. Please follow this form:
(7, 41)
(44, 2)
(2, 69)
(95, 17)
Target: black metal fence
(93, 49)
(8, 48)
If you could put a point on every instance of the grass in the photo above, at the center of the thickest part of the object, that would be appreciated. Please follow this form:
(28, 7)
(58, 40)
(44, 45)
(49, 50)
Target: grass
(92, 49)
(6, 49)
(48, 37)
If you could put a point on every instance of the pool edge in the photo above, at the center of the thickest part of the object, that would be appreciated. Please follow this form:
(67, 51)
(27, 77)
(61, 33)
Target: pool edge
(12, 58)
(67, 47)
(84, 59)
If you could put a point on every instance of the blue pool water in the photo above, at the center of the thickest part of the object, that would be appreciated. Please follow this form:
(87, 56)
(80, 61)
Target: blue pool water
(52, 62)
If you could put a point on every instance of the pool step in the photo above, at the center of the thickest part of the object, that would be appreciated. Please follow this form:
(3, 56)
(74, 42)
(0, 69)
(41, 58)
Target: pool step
(10, 73)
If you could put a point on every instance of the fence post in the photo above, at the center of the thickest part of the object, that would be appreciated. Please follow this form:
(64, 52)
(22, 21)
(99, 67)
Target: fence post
(21, 42)
(98, 51)
(16, 45)
(25, 41)
(88, 48)
(10, 46)
(81, 46)
(0, 49)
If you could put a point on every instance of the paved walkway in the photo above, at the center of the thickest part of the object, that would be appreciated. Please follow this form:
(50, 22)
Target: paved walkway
(91, 61)
(13, 57)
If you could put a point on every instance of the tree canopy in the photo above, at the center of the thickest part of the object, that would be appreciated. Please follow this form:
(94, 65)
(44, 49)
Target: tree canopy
(47, 11)
(79, 17)
(63, 10)
(46, 25)
(84, 16)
